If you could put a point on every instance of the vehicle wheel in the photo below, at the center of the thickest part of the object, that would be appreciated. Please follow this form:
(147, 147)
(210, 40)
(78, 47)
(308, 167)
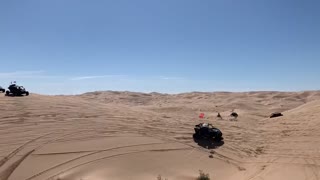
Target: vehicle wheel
(196, 136)
(27, 93)
(7, 93)
(218, 139)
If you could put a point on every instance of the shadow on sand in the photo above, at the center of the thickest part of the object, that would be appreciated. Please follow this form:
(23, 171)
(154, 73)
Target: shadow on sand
(208, 143)
(11, 95)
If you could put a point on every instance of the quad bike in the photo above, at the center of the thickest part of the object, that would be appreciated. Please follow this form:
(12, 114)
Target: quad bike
(2, 89)
(207, 131)
(15, 90)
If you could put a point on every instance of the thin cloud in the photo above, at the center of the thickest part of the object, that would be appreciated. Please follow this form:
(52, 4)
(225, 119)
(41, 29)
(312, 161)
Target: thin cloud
(171, 78)
(19, 74)
(26, 75)
(94, 77)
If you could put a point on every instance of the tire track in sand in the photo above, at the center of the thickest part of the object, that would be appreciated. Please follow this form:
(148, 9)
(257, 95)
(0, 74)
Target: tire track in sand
(16, 151)
(4, 175)
(221, 157)
(116, 155)
(87, 155)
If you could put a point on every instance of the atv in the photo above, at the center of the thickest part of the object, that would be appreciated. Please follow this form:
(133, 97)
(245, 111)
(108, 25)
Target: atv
(15, 90)
(207, 131)
(2, 89)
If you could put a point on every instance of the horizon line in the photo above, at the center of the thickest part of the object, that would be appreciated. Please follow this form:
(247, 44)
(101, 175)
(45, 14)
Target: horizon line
(178, 93)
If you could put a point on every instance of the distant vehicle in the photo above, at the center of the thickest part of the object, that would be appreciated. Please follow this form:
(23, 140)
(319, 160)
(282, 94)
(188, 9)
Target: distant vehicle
(15, 90)
(207, 131)
(2, 89)
(234, 114)
(276, 114)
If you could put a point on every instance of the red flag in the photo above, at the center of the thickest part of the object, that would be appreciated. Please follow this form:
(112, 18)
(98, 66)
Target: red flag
(201, 116)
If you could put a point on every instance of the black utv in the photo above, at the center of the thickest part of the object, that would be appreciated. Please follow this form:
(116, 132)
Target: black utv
(2, 90)
(15, 90)
(207, 131)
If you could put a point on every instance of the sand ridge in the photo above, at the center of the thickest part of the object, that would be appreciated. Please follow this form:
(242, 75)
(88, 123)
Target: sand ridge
(129, 135)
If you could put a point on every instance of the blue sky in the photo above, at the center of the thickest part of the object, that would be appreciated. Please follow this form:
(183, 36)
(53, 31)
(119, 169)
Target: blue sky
(75, 46)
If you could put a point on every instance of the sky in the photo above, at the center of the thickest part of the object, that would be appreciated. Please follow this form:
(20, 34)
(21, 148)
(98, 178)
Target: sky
(168, 46)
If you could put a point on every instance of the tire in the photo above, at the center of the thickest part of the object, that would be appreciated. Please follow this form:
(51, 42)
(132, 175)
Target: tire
(27, 93)
(218, 139)
(218, 136)
(196, 136)
(7, 93)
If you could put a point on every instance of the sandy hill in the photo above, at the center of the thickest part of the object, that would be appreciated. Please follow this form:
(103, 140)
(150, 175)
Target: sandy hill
(127, 135)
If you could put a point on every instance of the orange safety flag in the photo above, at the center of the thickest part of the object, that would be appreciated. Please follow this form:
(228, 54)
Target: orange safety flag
(201, 116)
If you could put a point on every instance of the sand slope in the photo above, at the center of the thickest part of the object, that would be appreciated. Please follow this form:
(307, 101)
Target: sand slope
(126, 135)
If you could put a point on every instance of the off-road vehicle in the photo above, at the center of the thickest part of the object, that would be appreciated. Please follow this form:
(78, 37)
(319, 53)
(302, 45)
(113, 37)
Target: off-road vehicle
(207, 131)
(15, 90)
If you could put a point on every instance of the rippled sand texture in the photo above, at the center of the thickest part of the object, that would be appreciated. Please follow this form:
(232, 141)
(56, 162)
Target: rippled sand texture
(125, 135)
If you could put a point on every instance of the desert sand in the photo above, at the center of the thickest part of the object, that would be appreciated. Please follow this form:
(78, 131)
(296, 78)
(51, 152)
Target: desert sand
(138, 136)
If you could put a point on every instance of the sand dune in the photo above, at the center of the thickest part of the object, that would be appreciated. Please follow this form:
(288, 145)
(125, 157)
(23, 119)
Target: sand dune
(127, 135)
